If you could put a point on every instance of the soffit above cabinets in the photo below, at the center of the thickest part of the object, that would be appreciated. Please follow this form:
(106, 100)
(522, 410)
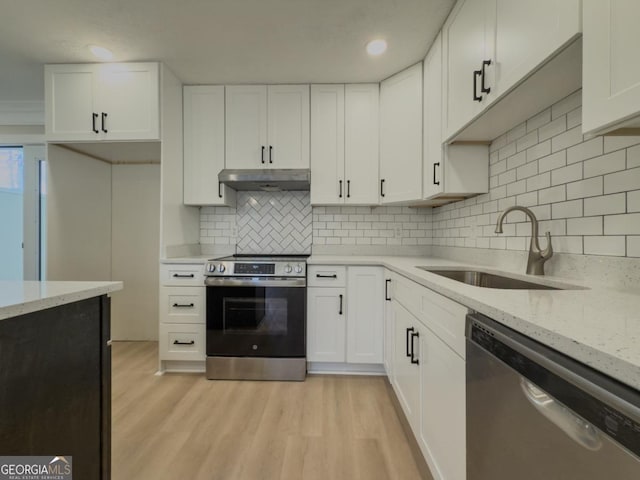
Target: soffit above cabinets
(222, 42)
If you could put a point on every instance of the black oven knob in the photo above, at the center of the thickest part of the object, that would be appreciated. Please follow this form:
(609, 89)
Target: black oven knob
(298, 269)
(221, 268)
(211, 267)
(287, 269)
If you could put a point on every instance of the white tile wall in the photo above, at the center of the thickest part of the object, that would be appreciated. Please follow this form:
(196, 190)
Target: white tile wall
(383, 226)
(585, 191)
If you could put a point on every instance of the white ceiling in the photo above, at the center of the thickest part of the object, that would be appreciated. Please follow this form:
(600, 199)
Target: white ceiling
(218, 41)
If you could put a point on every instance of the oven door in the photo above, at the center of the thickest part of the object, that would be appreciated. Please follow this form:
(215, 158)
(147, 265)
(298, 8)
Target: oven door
(256, 317)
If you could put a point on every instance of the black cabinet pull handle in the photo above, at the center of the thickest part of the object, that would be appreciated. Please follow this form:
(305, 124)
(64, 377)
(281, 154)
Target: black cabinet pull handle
(409, 330)
(476, 74)
(178, 342)
(319, 275)
(348, 188)
(437, 164)
(179, 275)
(483, 88)
(340, 195)
(220, 189)
(415, 361)
(104, 122)
(382, 187)
(340, 311)
(93, 123)
(184, 305)
(270, 154)
(262, 155)
(387, 282)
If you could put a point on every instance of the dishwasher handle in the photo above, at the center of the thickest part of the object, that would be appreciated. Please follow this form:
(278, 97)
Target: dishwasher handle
(578, 429)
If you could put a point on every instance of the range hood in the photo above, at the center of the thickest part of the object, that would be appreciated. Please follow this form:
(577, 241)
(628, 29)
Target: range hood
(267, 179)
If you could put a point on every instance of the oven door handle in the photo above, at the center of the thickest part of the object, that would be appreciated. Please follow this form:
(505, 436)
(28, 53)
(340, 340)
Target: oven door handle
(254, 282)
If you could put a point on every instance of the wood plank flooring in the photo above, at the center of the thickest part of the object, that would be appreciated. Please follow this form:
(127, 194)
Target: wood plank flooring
(180, 426)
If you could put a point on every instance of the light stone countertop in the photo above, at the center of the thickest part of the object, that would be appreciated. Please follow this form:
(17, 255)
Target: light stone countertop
(19, 298)
(596, 326)
(198, 259)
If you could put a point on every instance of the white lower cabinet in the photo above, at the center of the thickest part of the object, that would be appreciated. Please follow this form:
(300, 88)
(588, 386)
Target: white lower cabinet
(388, 326)
(345, 320)
(182, 310)
(428, 373)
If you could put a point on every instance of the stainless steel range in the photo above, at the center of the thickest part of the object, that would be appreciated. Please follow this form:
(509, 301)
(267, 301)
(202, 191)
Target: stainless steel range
(256, 317)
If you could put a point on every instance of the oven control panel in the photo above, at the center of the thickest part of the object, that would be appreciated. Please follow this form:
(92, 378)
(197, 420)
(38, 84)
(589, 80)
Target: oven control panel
(240, 268)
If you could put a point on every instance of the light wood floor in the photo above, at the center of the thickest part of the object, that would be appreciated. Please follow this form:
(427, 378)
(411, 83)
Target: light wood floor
(180, 426)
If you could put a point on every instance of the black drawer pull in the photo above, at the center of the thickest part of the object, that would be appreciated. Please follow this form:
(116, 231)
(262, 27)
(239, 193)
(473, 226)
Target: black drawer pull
(219, 189)
(476, 74)
(382, 187)
(340, 311)
(180, 275)
(340, 194)
(178, 342)
(409, 330)
(436, 164)
(262, 155)
(104, 122)
(348, 188)
(184, 305)
(270, 154)
(386, 289)
(485, 63)
(415, 361)
(93, 123)
(318, 275)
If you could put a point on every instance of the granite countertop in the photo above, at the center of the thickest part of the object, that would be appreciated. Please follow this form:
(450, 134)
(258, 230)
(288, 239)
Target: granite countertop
(19, 298)
(594, 325)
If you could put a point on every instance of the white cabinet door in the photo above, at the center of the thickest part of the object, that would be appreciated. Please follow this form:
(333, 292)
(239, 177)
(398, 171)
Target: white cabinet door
(365, 314)
(406, 373)
(327, 145)
(204, 146)
(69, 94)
(401, 136)
(246, 126)
(442, 424)
(388, 326)
(527, 33)
(288, 126)
(361, 144)
(464, 39)
(128, 101)
(326, 324)
(432, 136)
(611, 71)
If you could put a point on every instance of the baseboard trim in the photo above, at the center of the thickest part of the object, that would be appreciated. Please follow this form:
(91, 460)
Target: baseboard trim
(328, 368)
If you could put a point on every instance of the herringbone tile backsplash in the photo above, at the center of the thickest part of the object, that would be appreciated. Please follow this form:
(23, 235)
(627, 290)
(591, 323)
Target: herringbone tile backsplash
(274, 222)
(263, 223)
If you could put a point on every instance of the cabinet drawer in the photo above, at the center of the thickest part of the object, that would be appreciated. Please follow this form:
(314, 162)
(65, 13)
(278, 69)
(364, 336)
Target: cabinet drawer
(326, 276)
(182, 304)
(182, 274)
(408, 293)
(445, 318)
(182, 342)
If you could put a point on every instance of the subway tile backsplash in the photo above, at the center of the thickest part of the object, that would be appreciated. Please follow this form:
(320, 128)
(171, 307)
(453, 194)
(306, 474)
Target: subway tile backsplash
(583, 190)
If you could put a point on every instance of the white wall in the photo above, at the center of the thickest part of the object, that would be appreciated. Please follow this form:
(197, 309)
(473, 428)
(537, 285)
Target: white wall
(135, 251)
(79, 216)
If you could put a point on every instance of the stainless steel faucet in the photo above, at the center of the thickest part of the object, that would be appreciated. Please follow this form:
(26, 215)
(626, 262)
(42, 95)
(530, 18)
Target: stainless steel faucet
(537, 257)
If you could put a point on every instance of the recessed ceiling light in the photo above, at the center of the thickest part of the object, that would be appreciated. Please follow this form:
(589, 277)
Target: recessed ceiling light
(376, 47)
(101, 53)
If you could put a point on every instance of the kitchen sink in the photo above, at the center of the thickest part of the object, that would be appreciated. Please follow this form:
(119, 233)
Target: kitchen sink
(488, 280)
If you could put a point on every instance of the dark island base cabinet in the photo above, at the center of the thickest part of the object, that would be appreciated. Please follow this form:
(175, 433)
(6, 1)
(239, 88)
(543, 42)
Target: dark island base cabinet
(55, 385)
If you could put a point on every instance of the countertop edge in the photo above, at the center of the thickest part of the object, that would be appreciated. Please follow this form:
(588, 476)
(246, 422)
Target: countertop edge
(82, 291)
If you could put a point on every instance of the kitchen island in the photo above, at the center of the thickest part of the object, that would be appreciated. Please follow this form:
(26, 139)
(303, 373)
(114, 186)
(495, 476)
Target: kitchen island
(55, 370)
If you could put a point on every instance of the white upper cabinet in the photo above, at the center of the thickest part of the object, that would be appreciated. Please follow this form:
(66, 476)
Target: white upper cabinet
(267, 126)
(401, 136)
(361, 144)
(611, 71)
(467, 44)
(204, 146)
(491, 46)
(102, 102)
(450, 172)
(246, 126)
(344, 144)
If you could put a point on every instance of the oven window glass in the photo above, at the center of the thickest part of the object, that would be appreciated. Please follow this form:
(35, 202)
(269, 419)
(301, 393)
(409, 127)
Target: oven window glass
(258, 316)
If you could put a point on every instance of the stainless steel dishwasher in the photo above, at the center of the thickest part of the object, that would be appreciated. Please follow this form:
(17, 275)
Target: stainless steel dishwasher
(533, 413)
